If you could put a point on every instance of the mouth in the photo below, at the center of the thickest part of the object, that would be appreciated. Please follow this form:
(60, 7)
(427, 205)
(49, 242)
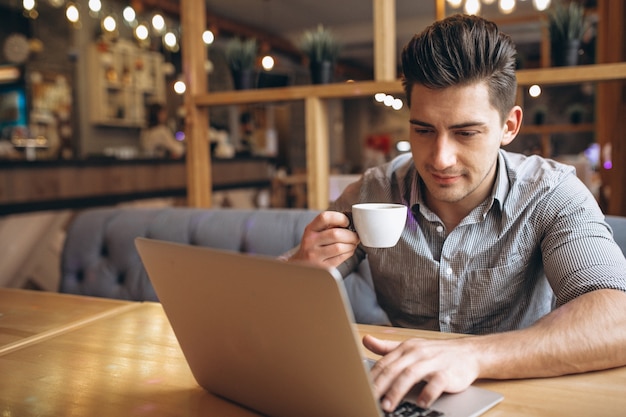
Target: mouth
(445, 179)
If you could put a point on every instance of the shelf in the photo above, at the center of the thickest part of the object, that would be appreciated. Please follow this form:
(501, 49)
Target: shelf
(545, 76)
(572, 75)
(317, 109)
(263, 95)
(125, 96)
(554, 129)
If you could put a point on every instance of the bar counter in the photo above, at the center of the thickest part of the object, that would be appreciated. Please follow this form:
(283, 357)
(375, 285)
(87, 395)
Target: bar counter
(61, 184)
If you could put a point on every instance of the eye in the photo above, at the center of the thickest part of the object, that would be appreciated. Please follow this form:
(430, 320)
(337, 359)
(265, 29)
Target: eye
(422, 131)
(466, 133)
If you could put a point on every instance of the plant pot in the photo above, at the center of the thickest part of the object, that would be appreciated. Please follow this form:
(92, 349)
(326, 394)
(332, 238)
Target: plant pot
(565, 54)
(322, 72)
(539, 118)
(244, 79)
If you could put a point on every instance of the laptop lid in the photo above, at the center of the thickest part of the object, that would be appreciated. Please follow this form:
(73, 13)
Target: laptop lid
(275, 337)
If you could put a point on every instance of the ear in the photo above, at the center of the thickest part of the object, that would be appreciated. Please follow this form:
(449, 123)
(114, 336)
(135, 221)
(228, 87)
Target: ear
(512, 125)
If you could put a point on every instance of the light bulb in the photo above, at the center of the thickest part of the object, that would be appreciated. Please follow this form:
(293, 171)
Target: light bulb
(141, 32)
(158, 23)
(129, 14)
(180, 87)
(170, 39)
(208, 37)
(534, 90)
(472, 6)
(72, 13)
(267, 62)
(541, 5)
(95, 5)
(109, 24)
(506, 6)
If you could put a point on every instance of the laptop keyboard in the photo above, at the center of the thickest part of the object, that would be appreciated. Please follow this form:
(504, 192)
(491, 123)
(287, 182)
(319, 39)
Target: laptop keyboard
(408, 409)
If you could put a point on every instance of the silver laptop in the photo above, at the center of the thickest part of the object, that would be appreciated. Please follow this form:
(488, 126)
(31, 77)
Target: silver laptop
(272, 336)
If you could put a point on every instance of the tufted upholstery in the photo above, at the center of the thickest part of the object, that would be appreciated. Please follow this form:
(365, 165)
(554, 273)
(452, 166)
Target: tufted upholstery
(99, 257)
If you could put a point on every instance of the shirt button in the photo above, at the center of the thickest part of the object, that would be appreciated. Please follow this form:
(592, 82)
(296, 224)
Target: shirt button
(439, 228)
(447, 320)
(449, 271)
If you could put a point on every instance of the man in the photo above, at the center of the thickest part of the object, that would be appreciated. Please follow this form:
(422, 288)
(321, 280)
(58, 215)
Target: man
(511, 249)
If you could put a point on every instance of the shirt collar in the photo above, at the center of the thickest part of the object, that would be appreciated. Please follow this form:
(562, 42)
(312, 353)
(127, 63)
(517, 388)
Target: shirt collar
(498, 194)
(502, 184)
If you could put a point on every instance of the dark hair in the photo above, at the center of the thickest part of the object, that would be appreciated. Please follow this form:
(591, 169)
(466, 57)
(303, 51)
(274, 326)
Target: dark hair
(462, 49)
(152, 117)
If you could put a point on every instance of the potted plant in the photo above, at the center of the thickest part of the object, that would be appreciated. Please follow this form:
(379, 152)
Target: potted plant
(576, 113)
(241, 56)
(322, 49)
(539, 113)
(566, 24)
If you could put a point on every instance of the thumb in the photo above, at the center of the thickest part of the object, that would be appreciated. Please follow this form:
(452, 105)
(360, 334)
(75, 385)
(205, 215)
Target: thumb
(379, 346)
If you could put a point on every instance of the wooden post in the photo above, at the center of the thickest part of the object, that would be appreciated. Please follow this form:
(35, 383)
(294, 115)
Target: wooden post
(611, 107)
(385, 40)
(199, 182)
(317, 159)
(440, 9)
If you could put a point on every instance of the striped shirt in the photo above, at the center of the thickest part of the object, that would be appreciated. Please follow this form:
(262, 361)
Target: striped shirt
(538, 241)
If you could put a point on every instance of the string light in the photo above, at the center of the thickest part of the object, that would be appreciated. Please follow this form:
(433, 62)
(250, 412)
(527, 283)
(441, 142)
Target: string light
(180, 87)
(534, 90)
(170, 41)
(109, 24)
(541, 5)
(267, 62)
(505, 6)
(158, 23)
(95, 6)
(208, 37)
(141, 32)
(129, 14)
(71, 12)
(472, 6)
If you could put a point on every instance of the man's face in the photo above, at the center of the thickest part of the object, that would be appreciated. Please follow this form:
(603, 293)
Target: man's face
(455, 137)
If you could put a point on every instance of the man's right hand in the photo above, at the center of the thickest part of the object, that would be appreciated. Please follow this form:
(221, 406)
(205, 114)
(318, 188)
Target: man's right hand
(326, 241)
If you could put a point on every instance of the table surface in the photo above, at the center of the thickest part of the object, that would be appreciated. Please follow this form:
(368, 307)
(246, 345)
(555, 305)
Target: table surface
(26, 316)
(122, 358)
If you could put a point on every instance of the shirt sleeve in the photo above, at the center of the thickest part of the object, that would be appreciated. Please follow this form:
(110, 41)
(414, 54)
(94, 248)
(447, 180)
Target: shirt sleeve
(578, 249)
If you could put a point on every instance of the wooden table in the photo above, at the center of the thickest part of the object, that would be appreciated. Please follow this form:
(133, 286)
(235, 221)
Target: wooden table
(122, 359)
(27, 316)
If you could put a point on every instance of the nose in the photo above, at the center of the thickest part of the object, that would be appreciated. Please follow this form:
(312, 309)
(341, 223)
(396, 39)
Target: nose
(443, 152)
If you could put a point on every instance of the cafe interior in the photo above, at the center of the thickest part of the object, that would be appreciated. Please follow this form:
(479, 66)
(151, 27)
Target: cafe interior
(273, 139)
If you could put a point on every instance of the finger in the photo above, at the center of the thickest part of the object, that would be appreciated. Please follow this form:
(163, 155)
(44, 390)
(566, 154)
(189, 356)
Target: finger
(432, 390)
(379, 346)
(328, 220)
(404, 376)
(334, 255)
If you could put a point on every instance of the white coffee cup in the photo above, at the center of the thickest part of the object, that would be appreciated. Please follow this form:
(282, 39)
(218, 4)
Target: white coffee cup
(379, 225)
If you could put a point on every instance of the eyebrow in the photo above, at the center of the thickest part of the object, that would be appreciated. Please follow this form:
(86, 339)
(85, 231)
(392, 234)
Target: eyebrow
(456, 126)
